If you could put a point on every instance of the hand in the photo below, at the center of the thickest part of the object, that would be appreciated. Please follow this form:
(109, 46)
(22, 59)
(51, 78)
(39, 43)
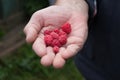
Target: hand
(53, 17)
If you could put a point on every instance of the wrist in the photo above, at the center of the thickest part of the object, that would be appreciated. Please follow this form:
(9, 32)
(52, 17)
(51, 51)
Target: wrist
(79, 6)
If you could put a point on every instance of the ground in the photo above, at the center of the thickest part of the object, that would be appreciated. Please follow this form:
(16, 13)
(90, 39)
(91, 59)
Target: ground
(23, 64)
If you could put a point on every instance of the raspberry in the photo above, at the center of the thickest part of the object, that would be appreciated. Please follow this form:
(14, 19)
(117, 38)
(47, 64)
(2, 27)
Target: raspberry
(66, 28)
(56, 42)
(47, 32)
(48, 39)
(57, 37)
(63, 39)
(56, 31)
(56, 49)
(61, 32)
(54, 35)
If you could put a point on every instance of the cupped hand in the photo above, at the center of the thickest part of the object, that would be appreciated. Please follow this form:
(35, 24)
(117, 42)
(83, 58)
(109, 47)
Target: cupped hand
(54, 17)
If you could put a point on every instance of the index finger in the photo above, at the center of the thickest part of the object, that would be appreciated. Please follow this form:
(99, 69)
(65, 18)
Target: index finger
(33, 27)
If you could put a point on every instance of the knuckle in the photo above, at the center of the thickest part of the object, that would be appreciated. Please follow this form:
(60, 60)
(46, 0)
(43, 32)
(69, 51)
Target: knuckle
(35, 14)
(24, 30)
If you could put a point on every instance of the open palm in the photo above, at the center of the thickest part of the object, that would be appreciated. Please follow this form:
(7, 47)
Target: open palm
(54, 17)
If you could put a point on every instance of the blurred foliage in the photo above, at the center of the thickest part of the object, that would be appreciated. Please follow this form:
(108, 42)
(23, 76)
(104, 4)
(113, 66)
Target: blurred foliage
(30, 6)
(2, 33)
(25, 65)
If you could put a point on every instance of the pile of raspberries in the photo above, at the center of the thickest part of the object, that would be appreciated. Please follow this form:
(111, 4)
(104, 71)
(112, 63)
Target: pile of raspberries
(58, 37)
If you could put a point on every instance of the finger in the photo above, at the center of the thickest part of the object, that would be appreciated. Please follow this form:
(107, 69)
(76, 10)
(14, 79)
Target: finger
(70, 51)
(62, 49)
(58, 60)
(47, 28)
(47, 60)
(33, 27)
(74, 40)
(39, 46)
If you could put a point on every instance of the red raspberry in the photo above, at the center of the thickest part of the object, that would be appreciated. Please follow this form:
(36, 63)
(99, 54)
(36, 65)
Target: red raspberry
(66, 28)
(54, 35)
(47, 32)
(56, 49)
(48, 39)
(56, 31)
(61, 32)
(63, 39)
(56, 42)
(57, 37)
